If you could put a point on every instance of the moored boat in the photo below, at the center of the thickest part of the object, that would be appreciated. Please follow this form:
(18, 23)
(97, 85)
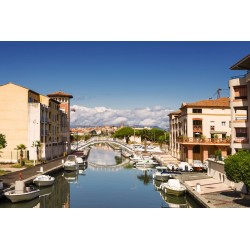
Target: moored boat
(174, 187)
(162, 174)
(44, 180)
(71, 163)
(21, 193)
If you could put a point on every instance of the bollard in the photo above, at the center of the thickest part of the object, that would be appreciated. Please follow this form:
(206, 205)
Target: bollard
(41, 169)
(1, 185)
(62, 161)
(198, 188)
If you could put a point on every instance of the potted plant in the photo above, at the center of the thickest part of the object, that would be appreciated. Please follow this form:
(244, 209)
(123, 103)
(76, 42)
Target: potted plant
(217, 154)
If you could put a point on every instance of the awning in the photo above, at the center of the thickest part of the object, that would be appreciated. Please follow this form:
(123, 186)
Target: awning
(217, 132)
(243, 64)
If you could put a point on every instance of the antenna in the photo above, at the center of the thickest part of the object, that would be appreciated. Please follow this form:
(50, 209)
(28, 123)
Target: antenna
(218, 93)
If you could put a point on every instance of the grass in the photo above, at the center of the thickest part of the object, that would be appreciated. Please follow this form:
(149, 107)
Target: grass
(3, 172)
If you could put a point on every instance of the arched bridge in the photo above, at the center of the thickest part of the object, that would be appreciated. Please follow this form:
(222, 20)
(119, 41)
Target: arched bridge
(108, 166)
(98, 140)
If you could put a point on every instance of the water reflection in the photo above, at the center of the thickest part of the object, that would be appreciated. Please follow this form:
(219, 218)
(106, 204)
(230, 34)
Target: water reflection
(55, 196)
(103, 187)
(145, 177)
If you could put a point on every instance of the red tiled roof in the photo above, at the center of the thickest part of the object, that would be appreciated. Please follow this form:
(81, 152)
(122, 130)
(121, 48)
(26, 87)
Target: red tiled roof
(60, 94)
(221, 102)
(175, 113)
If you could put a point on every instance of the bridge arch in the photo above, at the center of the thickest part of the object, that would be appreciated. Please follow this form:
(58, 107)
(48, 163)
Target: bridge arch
(98, 140)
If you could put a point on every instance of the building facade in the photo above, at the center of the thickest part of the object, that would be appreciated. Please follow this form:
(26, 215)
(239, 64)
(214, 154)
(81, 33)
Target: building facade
(28, 117)
(240, 105)
(199, 129)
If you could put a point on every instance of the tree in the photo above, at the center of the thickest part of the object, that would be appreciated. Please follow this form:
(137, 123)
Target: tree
(124, 132)
(21, 147)
(237, 168)
(3, 142)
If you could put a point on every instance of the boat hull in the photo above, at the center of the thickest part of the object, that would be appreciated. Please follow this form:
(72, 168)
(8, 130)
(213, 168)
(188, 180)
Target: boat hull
(71, 167)
(174, 192)
(162, 177)
(13, 197)
(41, 183)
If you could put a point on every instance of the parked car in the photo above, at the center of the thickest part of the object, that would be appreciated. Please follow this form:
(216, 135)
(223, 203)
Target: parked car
(198, 166)
(172, 167)
(185, 166)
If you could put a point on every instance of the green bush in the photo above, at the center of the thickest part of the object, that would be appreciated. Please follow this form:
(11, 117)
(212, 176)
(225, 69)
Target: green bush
(237, 168)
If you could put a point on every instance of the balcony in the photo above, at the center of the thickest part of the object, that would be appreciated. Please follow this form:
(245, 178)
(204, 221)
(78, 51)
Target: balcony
(207, 141)
(241, 140)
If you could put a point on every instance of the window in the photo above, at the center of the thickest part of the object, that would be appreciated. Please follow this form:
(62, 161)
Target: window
(241, 132)
(223, 124)
(240, 92)
(197, 111)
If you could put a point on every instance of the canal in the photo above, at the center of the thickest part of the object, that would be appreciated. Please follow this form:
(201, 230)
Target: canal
(109, 181)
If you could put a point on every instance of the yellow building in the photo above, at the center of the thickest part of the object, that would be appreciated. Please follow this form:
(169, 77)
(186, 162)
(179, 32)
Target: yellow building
(26, 117)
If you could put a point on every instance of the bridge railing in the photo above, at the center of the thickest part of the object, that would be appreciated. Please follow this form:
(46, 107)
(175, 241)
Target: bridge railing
(108, 139)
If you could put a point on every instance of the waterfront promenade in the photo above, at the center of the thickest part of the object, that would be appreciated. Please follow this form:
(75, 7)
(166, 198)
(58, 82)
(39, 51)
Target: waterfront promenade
(30, 173)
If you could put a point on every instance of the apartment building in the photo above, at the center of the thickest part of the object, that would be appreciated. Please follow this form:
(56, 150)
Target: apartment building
(199, 129)
(240, 105)
(27, 117)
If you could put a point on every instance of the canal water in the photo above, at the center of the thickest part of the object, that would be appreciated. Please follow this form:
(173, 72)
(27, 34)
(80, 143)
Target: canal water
(109, 181)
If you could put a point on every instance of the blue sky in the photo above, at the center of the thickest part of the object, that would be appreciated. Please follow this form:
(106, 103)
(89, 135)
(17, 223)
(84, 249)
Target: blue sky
(123, 74)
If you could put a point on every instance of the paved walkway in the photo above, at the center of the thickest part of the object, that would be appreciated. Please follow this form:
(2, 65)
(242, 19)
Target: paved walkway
(212, 193)
(29, 173)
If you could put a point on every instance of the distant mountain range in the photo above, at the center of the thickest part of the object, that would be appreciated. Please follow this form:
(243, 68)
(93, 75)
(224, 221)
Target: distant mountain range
(91, 126)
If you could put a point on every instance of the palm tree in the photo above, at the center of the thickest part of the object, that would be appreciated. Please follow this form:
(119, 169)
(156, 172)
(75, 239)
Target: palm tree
(21, 147)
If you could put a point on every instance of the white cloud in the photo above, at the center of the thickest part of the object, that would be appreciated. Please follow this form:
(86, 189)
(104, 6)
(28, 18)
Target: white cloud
(99, 116)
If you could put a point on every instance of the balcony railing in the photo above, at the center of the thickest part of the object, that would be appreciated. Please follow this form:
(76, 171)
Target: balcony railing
(203, 140)
(241, 140)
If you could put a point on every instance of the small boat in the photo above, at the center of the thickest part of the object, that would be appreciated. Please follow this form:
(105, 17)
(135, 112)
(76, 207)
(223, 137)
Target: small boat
(22, 193)
(81, 161)
(146, 163)
(162, 174)
(174, 187)
(44, 180)
(71, 163)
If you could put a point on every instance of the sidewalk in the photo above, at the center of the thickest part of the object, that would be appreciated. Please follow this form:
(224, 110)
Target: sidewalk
(212, 193)
(30, 173)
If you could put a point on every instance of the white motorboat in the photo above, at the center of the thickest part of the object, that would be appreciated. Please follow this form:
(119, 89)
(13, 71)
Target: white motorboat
(136, 158)
(21, 193)
(146, 163)
(71, 163)
(174, 187)
(162, 174)
(44, 180)
(81, 161)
